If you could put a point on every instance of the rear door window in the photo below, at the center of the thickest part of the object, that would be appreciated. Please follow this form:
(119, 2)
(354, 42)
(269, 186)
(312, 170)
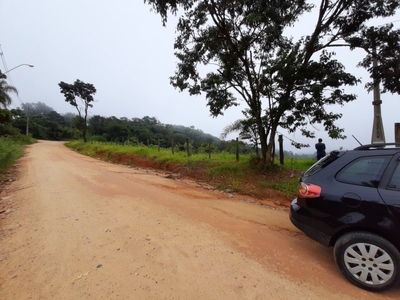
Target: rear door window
(390, 192)
(395, 180)
(365, 171)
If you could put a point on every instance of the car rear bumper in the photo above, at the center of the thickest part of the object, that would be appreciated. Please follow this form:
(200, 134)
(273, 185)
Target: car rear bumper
(306, 222)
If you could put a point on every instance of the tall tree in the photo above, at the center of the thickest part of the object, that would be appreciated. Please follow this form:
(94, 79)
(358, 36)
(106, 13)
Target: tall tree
(247, 129)
(5, 90)
(79, 91)
(283, 82)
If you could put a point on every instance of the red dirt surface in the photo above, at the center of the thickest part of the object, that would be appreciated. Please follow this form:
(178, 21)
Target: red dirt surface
(80, 228)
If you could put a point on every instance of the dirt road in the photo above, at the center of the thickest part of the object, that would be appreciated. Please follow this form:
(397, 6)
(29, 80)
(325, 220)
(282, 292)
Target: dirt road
(79, 228)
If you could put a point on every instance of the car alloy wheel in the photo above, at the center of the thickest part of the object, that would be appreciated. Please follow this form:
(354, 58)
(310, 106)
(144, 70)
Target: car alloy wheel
(368, 260)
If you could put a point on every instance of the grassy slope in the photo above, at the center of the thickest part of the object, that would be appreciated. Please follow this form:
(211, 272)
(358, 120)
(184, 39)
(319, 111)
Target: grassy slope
(10, 151)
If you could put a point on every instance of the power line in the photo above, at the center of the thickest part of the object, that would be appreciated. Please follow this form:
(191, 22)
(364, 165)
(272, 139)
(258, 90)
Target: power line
(8, 74)
(4, 60)
(391, 22)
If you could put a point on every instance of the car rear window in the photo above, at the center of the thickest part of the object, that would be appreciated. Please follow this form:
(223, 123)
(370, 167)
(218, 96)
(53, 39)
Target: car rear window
(322, 163)
(365, 171)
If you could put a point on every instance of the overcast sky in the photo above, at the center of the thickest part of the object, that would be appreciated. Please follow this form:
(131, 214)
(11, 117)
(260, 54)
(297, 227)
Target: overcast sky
(122, 48)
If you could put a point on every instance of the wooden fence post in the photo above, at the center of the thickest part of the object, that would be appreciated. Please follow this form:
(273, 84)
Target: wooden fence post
(237, 149)
(173, 146)
(281, 156)
(187, 147)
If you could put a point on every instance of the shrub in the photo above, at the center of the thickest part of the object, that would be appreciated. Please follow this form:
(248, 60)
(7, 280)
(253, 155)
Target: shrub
(97, 138)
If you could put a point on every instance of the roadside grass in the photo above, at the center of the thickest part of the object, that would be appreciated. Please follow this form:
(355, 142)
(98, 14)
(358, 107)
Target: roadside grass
(162, 155)
(287, 186)
(11, 149)
(300, 163)
(221, 170)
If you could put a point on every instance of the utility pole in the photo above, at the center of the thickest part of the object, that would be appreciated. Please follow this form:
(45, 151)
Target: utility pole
(397, 133)
(27, 122)
(378, 133)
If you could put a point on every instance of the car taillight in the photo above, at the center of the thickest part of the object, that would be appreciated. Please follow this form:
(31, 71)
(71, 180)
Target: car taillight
(307, 190)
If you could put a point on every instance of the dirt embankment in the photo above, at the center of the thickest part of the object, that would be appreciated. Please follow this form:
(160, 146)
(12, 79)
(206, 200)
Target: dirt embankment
(253, 184)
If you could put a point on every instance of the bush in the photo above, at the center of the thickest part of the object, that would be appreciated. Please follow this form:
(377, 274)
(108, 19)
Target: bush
(5, 116)
(97, 138)
(10, 152)
(7, 131)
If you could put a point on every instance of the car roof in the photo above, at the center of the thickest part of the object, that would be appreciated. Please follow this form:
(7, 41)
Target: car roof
(380, 146)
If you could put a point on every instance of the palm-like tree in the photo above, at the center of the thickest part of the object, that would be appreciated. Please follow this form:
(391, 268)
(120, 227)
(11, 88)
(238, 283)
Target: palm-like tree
(247, 129)
(5, 89)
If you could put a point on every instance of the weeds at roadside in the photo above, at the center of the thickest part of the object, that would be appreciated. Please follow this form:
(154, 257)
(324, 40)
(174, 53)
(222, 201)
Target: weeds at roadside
(11, 149)
(288, 187)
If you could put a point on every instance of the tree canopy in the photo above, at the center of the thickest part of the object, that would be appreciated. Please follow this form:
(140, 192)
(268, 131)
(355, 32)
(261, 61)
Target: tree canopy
(84, 92)
(5, 90)
(239, 51)
(47, 124)
(164, 6)
(36, 108)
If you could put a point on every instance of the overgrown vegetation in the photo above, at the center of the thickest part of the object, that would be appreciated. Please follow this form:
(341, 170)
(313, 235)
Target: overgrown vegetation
(221, 170)
(11, 140)
(11, 149)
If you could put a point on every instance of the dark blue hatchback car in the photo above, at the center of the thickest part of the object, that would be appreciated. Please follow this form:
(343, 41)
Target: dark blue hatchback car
(351, 200)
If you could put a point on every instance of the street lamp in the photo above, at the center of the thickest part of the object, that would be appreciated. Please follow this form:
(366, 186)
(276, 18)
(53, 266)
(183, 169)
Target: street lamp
(27, 118)
(29, 65)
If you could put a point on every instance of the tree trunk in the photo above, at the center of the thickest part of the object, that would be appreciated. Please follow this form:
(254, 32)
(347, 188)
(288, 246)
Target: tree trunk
(263, 141)
(84, 134)
(84, 127)
(270, 157)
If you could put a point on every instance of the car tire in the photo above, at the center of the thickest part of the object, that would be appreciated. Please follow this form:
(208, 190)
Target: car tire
(368, 260)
